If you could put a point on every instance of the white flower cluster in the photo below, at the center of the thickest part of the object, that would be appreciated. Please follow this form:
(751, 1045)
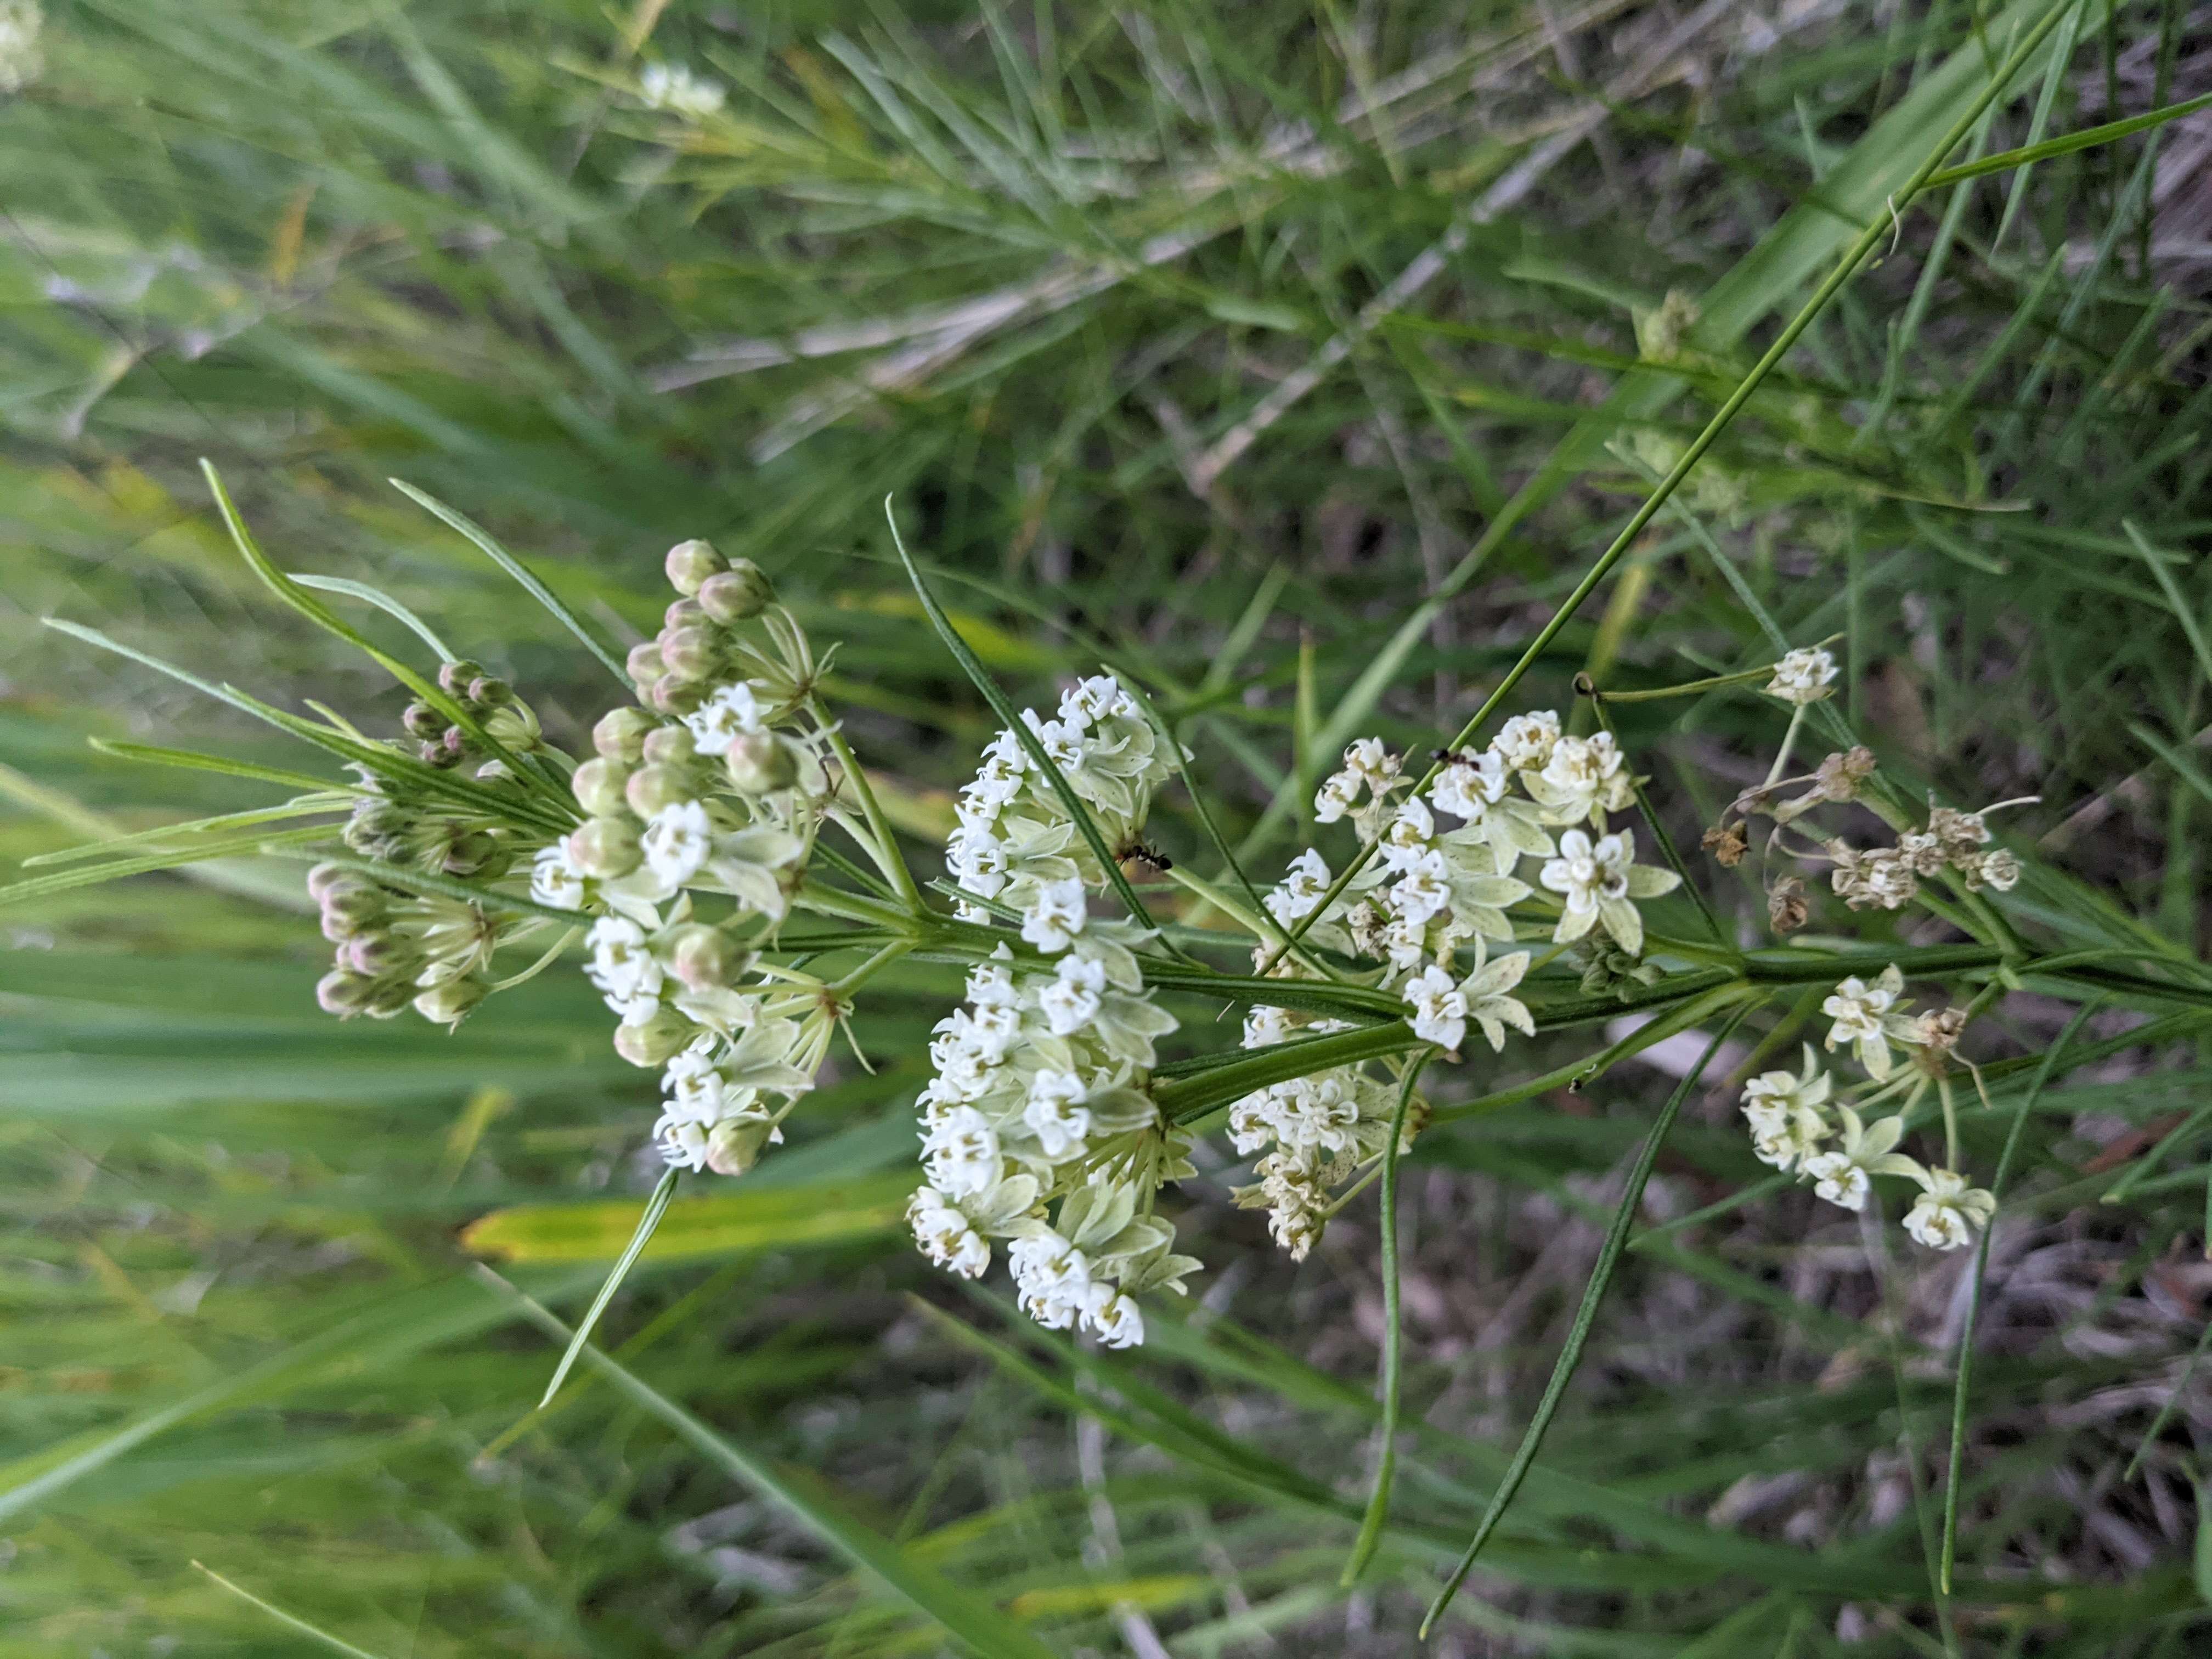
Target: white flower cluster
(1307, 1136)
(676, 90)
(1015, 838)
(1804, 676)
(1796, 1126)
(714, 791)
(1038, 1095)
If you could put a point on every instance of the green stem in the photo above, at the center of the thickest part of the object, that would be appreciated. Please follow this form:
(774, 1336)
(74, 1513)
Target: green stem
(882, 846)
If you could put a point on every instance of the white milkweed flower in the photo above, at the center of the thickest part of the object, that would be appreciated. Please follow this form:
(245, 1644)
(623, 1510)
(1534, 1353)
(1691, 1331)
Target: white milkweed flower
(1803, 676)
(1787, 1113)
(1949, 1213)
(1055, 917)
(1439, 1014)
(1598, 880)
(962, 1153)
(622, 967)
(1583, 780)
(555, 880)
(678, 842)
(1053, 1278)
(1525, 742)
(1845, 1175)
(1054, 1113)
(946, 1236)
(1866, 1016)
(1423, 892)
(977, 860)
(682, 1142)
(729, 711)
(1485, 990)
(1407, 841)
(1097, 698)
(1113, 1316)
(676, 90)
(1300, 889)
(1071, 998)
(693, 1085)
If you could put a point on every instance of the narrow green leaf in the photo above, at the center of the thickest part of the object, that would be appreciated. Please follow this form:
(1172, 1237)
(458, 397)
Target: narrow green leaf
(1386, 1461)
(1570, 1359)
(290, 1622)
(192, 761)
(62, 881)
(515, 568)
(967, 1617)
(383, 602)
(2087, 138)
(94, 849)
(648, 1220)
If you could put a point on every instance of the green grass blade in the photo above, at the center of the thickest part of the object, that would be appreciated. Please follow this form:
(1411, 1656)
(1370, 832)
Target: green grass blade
(313, 1632)
(648, 1219)
(1010, 717)
(2087, 138)
(192, 761)
(63, 881)
(515, 568)
(968, 1618)
(1570, 1359)
(2175, 599)
(383, 602)
(294, 809)
(1386, 1463)
(1965, 1383)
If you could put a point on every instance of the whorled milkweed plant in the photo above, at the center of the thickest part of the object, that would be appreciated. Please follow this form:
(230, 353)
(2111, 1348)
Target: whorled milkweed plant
(723, 871)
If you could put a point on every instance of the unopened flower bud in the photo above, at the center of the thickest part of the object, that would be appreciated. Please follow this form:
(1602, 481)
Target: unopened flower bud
(435, 753)
(422, 721)
(343, 992)
(652, 789)
(455, 742)
(487, 691)
(669, 745)
(605, 847)
(379, 953)
(704, 958)
(351, 900)
(453, 677)
(388, 997)
(472, 854)
(655, 1040)
(325, 876)
(690, 563)
(670, 696)
(742, 591)
(598, 786)
(514, 724)
(683, 613)
(690, 654)
(451, 1002)
(620, 735)
(735, 1147)
(644, 663)
(760, 762)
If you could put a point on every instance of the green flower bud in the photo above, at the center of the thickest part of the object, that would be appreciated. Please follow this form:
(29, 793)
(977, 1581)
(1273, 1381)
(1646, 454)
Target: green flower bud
(343, 992)
(620, 735)
(513, 725)
(690, 563)
(605, 847)
(472, 854)
(670, 696)
(670, 745)
(380, 953)
(690, 654)
(655, 1040)
(735, 1147)
(487, 691)
(760, 762)
(644, 663)
(453, 677)
(451, 1003)
(422, 722)
(599, 784)
(705, 958)
(652, 788)
(435, 753)
(741, 592)
(683, 613)
(350, 902)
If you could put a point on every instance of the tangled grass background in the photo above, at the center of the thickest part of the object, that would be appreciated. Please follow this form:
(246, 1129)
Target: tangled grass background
(1303, 358)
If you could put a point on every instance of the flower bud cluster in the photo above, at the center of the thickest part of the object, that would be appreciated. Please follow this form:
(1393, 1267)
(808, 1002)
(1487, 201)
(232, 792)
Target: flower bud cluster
(395, 949)
(1015, 836)
(490, 703)
(1038, 1095)
(1799, 1128)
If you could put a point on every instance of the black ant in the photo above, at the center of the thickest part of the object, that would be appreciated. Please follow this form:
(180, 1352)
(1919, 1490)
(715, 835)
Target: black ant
(1139, 852)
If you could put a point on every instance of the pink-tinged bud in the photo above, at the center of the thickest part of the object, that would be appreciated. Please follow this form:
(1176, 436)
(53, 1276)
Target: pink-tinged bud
(323, 877)
(705, 959)
(760, 762)
(451, 1002)
(741, 592)
(473, 853)
(655, 1040)
(621, 733)
(683, 613)
(350, 902)
(670, 696)
(644, 663)
(380, 953)
(653, 789)
(488, 692)
(605, 849)
(669, 745)
(453, 677)
(422, 722)
(343, 992)
(690, 563)
(690, 654)
(598, 786)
